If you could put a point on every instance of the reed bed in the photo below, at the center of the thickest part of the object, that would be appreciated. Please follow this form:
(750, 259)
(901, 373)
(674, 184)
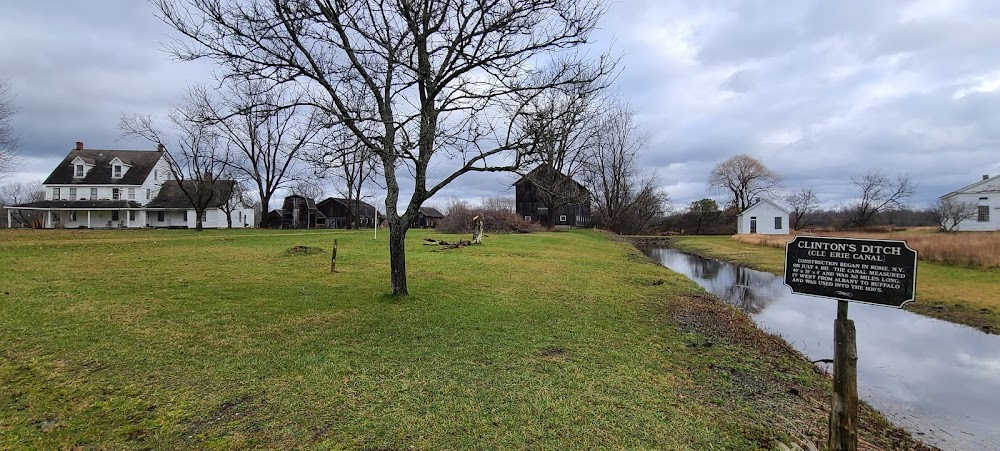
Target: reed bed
(975, 249)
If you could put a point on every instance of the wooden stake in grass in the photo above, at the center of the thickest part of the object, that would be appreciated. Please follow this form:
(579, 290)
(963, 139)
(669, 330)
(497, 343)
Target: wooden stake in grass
(844, 414)
(333, 259)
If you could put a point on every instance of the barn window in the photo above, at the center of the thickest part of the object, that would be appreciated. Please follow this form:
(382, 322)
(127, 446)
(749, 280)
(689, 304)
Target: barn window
(984, 213)
(527, 218)
(777, 223)
(562, 218)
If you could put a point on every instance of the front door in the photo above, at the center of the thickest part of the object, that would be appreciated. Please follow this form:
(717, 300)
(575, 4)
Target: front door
(753, 224)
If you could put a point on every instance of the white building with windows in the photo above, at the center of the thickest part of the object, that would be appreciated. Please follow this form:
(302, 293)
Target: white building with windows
(763, 217)
(94, 188)
(984, 195)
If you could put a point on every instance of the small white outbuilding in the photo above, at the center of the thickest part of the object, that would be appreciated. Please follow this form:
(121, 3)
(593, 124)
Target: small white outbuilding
(764, 217)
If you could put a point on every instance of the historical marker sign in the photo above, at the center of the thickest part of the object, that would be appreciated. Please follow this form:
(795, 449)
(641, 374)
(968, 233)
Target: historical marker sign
(875, 271)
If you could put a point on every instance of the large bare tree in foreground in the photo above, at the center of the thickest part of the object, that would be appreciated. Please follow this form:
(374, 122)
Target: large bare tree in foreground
(744, 178)
(414, 81)
(8, 139)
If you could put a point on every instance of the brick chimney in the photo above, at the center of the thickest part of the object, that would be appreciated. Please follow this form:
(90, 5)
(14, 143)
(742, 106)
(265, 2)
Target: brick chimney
(986, 176)
(79, 145)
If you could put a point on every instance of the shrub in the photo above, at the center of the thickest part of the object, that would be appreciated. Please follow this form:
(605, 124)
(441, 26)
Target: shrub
(460, 214)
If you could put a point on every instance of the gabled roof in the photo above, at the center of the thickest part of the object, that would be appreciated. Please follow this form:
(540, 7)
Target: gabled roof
(431, 212)
(359, 204)
(141, 162)
(763, 201)
(171, 195)
(545, 171)
(988, 185)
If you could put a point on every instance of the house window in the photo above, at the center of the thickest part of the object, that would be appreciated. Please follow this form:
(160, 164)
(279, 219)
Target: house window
(204, 216)
(131, 194)
(79, 171)
(185, 215)
(984, 213)
(116, 193)
(72, 216)
(156, 175)
(777, 223)
(131, 215)
(159, 216)
(562, 218)
(118, 171)
(72, 194)
(55, 193)
(148, 192)
(93, 193)
(114, 215)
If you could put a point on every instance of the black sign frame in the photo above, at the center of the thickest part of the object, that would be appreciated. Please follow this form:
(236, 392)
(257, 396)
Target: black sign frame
(852, 269)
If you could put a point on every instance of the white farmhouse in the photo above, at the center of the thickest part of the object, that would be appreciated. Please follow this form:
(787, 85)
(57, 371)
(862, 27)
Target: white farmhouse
(94, 188)
(985, 196)
(764, 217)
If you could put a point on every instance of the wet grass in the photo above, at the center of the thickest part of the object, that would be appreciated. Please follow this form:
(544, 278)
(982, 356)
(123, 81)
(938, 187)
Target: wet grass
(231, 339)
(957, 293)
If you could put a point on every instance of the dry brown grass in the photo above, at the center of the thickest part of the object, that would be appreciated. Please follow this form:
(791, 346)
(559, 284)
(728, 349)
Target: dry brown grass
(976, 249)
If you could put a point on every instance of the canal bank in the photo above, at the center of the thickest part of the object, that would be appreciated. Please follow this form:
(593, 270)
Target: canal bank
(934, 378)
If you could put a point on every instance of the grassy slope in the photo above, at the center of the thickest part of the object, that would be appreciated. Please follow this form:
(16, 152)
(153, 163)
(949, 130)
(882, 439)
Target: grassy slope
(172, 339)
(969, 296)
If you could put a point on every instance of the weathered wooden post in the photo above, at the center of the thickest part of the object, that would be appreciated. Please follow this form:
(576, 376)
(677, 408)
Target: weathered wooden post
(877, 272)
(844, 413)
(333, 259)
(477, 230)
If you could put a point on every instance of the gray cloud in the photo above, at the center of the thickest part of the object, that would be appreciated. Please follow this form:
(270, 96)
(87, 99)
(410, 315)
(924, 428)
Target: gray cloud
(818, 90)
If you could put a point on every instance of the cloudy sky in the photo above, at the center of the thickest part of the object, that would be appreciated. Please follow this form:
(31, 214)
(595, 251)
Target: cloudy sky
(817, 90)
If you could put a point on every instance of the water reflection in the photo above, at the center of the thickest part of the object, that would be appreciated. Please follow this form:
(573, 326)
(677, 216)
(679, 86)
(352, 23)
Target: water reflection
(935, 378)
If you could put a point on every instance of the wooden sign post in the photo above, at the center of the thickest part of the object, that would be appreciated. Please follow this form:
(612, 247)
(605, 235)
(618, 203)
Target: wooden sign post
(877, 272)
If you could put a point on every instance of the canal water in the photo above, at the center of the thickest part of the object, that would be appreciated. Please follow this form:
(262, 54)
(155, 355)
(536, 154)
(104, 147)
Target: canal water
(939, 380)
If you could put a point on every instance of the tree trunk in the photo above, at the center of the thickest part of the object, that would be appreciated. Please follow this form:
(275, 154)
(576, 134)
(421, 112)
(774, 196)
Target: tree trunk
(397, 257)
(197, 219)
(264, 210)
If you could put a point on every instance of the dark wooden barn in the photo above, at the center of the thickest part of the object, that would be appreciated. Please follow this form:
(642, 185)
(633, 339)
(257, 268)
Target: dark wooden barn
(544, 189)
(428, 217)
(339, 212)
(299, 212)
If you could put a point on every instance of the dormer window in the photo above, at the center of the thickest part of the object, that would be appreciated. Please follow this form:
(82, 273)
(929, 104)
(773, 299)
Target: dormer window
(117, 171)
(79, 170)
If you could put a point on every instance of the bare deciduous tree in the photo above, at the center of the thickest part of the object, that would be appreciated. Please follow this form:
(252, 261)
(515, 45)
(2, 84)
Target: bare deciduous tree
(878, 193)
(563, 128)
(8, 139)
(803, 203)
(196, 160)
(949, 212)
(265, 126)
(22, 193)
(340, 153)
(499, 204)
(433, 79)
(625, 200)
(744, 178)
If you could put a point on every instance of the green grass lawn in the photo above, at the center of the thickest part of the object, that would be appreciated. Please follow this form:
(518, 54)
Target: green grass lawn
(960, 294)
(222, 339)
